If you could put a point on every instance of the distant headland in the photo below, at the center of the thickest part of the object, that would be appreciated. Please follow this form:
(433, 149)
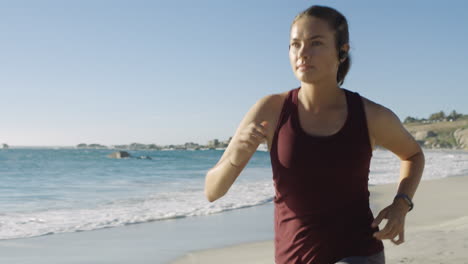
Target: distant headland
(438, 131)
(212, 144)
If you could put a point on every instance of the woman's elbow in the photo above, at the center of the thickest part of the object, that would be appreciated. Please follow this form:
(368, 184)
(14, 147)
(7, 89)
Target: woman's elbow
(210, 191)
(211, 198)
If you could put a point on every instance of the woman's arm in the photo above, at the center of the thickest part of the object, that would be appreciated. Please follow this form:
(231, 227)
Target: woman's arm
(388, 132)
(243, 145)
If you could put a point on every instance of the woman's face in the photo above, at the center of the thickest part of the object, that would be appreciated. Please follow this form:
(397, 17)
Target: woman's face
(312, 51)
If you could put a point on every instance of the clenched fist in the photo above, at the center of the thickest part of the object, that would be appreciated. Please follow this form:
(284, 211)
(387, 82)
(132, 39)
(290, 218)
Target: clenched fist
(247, 142)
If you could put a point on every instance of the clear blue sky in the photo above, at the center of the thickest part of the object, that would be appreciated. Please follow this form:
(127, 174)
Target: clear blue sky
(170, 72)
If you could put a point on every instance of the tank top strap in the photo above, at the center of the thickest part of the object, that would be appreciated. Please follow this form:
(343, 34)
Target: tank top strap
(286, 110)
(359, 128)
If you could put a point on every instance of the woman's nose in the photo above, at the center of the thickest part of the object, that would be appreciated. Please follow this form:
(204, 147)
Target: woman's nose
(303, 52)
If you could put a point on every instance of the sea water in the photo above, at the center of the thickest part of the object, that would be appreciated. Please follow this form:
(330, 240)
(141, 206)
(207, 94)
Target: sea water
(48, 191)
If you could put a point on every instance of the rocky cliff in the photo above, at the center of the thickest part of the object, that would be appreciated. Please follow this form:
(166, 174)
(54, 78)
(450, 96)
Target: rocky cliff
(450, 135)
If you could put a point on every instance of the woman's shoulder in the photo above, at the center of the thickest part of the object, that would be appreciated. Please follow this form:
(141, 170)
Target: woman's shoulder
(387, 130)
(374, 109)
(269, 109)
(272, 103)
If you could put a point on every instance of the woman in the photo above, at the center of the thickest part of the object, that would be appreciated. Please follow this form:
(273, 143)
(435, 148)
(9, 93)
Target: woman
(320, 138)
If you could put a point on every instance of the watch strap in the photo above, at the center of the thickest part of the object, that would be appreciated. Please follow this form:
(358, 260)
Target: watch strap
(407, 200)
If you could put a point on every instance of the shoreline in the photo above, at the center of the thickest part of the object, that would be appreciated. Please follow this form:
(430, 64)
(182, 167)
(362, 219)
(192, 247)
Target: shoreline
(152, 242)
(436, 230)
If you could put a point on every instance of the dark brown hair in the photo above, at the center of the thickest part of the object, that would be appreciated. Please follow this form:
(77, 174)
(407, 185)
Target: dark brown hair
(338, 23)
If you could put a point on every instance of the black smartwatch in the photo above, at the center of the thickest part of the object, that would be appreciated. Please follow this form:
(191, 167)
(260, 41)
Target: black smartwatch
(407, 200)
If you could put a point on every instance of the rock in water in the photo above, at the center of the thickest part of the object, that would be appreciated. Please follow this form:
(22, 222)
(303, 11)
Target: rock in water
(119, 155)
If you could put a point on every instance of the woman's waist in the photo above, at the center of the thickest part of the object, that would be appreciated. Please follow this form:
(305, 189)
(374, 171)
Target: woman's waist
(324, 228)
(351, 215)
(323, 205)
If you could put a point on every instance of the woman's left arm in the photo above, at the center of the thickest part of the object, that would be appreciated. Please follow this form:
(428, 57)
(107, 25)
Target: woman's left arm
(388, 132)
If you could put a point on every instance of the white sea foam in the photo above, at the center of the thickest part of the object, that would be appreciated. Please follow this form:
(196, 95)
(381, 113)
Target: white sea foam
(183, 197)
(131, 211)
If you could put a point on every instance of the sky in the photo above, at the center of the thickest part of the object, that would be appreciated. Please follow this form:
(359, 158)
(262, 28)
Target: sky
(171, 72)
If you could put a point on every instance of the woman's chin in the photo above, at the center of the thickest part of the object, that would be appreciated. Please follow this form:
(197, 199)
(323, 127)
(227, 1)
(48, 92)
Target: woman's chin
(306, 78)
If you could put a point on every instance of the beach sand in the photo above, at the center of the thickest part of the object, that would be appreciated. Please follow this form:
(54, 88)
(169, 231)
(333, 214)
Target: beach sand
(436, 230)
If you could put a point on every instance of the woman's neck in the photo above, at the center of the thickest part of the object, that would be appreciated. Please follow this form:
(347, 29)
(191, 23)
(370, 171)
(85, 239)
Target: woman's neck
(317, 98)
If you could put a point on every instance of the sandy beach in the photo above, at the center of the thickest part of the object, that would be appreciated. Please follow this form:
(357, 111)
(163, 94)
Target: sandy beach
(436, 230)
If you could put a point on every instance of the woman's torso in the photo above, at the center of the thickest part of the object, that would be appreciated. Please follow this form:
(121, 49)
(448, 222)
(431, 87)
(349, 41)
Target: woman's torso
(320, 174)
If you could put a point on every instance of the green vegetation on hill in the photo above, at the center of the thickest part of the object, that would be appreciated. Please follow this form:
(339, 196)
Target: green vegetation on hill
(437, 117)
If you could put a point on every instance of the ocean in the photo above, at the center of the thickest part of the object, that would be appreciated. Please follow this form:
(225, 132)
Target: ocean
(45, 191)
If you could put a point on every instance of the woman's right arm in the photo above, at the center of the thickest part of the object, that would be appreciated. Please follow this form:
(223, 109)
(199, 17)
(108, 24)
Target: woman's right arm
(251, 132)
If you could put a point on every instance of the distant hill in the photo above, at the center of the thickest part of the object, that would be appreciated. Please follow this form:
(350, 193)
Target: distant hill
(441, 134)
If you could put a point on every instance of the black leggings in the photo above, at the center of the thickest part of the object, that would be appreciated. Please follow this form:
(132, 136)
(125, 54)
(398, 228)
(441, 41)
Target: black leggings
(378, 258)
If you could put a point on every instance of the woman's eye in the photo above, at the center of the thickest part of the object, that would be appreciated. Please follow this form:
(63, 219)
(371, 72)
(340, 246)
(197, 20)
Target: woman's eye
(295, 44)
(316, 43)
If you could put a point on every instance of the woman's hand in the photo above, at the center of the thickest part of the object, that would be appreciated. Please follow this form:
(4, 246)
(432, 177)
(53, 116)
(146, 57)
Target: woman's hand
(395, 215)
(247, 142)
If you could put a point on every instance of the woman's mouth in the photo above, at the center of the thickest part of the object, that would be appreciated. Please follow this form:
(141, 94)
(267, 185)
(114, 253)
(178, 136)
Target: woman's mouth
(304, 67)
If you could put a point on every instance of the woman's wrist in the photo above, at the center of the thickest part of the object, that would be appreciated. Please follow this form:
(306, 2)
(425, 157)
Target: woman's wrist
(404, 201)
(399, 203)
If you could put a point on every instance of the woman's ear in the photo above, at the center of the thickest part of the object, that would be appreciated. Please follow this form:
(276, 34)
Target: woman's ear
(343, 52)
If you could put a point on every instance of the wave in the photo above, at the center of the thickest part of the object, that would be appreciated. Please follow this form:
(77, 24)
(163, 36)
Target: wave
(157, 207)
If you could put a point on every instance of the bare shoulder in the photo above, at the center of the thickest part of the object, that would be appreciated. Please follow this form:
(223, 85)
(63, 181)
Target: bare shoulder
(373, 109)
(386, 130)
(269, 105)
(269, 109)
(377, 113)
(275, 98)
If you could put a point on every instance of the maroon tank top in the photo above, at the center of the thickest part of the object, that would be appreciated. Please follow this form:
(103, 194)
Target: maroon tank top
(321, 203)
